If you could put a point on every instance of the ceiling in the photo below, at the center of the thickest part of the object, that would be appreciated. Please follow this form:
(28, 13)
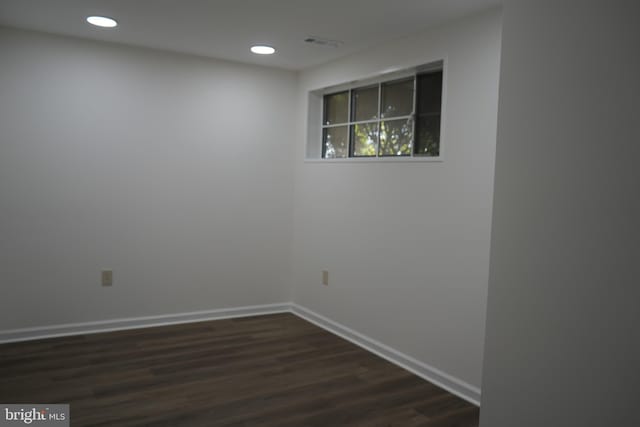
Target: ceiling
(227, 28)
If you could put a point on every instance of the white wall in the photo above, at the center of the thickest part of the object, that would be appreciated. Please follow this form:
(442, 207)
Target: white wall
(173, 170)
(407, 244)
(563, 344)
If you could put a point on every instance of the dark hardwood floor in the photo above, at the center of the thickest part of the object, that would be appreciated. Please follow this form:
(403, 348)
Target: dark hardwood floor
(275, 370)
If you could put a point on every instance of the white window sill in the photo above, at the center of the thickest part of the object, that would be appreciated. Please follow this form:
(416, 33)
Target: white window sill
(379, 160)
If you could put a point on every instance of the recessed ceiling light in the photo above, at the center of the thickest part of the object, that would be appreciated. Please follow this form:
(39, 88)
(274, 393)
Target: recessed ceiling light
(262, 50)
(102, 21)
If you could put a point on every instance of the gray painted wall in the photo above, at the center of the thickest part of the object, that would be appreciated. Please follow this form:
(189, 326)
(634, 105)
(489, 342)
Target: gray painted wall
(407, 244)
(173, 170)
(562, 345)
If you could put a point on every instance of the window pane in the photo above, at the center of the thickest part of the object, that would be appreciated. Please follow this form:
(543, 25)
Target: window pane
(429, 87)
(335, 142)
(364, 104)
(396, 137)
(429, 106)
(365, 139)
(397, 98)
(336, 108)
(428, 136)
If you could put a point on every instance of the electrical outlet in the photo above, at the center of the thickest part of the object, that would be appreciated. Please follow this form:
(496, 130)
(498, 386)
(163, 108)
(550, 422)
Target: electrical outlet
(107, 277)
(325, 277)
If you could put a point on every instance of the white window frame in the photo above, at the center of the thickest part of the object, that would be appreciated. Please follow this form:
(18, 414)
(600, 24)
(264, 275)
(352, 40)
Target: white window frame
(315, 132)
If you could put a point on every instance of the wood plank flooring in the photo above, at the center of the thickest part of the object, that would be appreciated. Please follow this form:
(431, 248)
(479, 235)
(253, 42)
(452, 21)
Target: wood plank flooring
(275, 370)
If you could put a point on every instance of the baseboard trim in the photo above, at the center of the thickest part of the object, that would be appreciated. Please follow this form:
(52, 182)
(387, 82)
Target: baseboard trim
(448, 382)
(27, 334)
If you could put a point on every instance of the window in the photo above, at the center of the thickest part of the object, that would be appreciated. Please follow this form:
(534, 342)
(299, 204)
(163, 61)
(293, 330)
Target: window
(397, 118)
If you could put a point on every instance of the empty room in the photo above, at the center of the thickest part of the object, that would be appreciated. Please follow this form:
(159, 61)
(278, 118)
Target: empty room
(318, 214)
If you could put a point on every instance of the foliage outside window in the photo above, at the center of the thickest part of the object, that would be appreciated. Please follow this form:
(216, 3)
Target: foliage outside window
(399, 118)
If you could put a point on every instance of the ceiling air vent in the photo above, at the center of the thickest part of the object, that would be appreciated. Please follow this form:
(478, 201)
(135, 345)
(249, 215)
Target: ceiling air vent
(323, 42)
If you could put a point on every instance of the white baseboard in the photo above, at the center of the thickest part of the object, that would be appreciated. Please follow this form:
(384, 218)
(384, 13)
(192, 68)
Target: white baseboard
(27, 334)
(454, 385)
(448, 382)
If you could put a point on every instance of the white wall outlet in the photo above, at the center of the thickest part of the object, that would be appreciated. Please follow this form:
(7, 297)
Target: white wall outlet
(325, 277)
(107, 277)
